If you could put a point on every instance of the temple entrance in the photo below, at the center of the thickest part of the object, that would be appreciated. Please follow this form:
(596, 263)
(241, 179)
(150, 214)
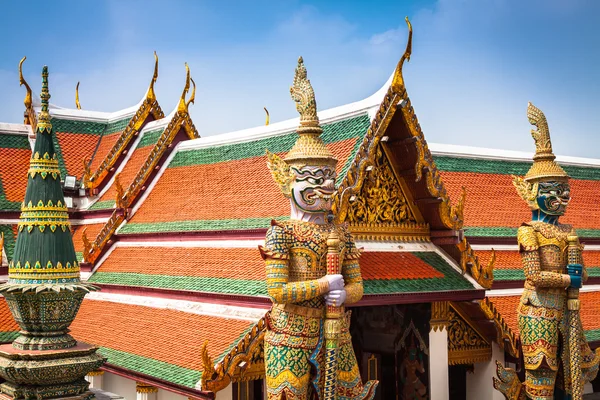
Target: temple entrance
(392, 345)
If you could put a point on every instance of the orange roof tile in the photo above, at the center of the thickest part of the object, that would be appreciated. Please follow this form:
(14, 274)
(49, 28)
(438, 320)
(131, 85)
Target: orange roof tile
(129, 172)
(590, 317)
(166, 335)
(235, 263)
(14, 164)
(105, 145)
(92, 231)
(7, 322)
(74, 147)
(493, 201)
(235, 189)
(396, 265)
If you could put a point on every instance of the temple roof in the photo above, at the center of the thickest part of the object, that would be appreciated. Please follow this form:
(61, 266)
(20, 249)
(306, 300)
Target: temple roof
(236, 268)
(494, 209)
(15, 152)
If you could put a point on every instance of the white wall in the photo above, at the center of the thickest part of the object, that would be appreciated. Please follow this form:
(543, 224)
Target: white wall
(479, 383)
(225, 394)
(119, 385)
(438, 365)
(166, 395)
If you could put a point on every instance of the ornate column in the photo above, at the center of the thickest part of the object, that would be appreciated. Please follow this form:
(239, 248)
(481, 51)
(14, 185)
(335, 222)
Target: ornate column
(438, 352)
(145, 391)
(95, 378)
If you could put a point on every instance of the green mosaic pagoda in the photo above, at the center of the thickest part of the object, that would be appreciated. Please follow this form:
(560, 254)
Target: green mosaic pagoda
(44, 290)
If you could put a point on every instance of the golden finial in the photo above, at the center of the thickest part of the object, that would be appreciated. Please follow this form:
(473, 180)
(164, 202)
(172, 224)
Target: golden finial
(28, 98)
(87, 172)
(87, 245)
(120, 192)
(267, 112)
(44, 124)
(193, 96)
(398, 80)
(544, 167)
(77, 104)
(208, 366)
(182, 107)
(151, 95)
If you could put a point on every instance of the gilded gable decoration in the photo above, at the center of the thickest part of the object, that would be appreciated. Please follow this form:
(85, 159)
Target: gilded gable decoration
(381, 210)
(469, 262)
(466, 345)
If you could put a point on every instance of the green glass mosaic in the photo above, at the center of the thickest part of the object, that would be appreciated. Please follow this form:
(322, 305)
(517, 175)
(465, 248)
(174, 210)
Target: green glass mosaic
(150, 138)
(199, 225)
(14, 142)
(355, 127)
(149, 366)
(502, 167)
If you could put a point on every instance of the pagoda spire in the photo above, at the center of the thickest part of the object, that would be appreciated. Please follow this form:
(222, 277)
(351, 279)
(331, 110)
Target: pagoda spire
(44, 290)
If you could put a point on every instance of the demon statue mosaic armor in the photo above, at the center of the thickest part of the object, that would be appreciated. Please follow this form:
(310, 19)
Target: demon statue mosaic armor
(312, 272)
(556, 356)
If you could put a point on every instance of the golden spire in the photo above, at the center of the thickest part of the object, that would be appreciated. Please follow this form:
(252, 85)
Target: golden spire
(398, 80)
(183, 105)
(151, 95)
(27, 100)
(544, 167)
(267, 112)
(77, 104)
(193, 96)
(309, 148)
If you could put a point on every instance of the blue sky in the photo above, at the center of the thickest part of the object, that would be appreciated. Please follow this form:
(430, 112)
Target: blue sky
(475, 63)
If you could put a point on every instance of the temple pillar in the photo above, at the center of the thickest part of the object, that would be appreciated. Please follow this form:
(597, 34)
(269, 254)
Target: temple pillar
(145, 391)
(438, 352)
(95, 379)
(479, 383)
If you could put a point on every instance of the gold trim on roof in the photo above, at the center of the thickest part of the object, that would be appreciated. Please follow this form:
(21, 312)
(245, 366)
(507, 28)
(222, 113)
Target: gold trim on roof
(505, 336)
(466, 344)
(183, 105)
(149, 107)
(28, 97)
(267, 118)
(483, 274)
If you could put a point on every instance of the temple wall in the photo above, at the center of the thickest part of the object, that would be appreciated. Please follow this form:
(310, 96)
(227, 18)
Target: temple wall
(479, 383)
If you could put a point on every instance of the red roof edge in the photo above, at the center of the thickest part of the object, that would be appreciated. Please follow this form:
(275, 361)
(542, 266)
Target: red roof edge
(413, 298)
(160, 383)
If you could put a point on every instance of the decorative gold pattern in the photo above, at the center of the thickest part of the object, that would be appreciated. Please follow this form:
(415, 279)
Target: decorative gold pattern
(483, 274)
(87, 245)
(505, 335)
(248, 350)
(77, 104)
(365, 157)
(381, 210)
(180, 120)
(439, 315)
(527, 191)
(119, 193)
(544, 166)
(97, 372)
(281, 172)
(141, 387)
(87, 173)
(466, 345)
(149, 107)
(309, 148)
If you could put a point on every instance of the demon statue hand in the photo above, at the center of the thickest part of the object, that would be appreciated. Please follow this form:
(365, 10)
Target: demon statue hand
(295, 254)
(553, 345)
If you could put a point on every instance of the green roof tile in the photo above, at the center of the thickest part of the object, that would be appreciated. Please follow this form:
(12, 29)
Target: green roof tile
(452, 280)
(519, 275)
(501, 231)
(14, 142)
(503, 167)
(116, 126)
(73, 126)
(333, 132)
(199, 225)
(150, 138)
(149, 366)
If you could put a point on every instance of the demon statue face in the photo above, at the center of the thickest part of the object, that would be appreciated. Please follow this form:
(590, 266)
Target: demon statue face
(553, 197)
(313, 189)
